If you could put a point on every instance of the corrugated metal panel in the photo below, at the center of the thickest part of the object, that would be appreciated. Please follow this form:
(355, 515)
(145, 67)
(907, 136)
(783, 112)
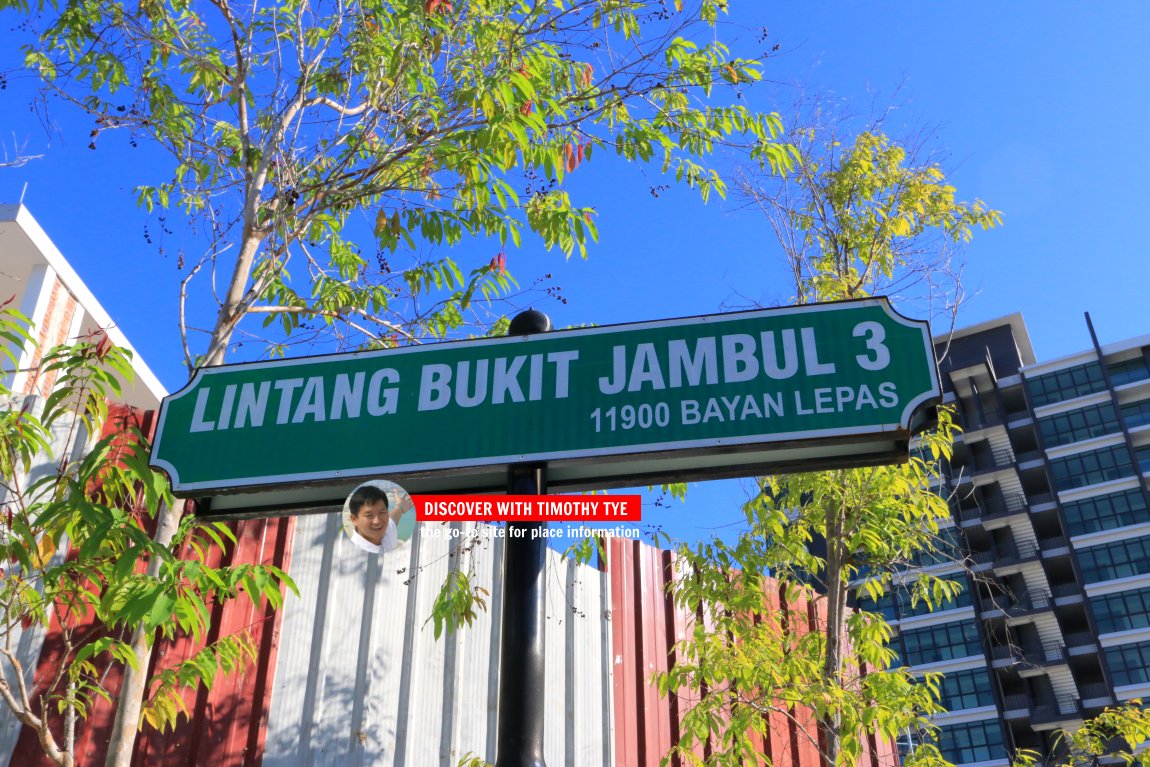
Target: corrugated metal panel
(804, 728)
(40, 650)
(361, 679)
(226, 723)
(25, 644)
(90, 732)
(349, 672)
(778, 745)
(646, 625)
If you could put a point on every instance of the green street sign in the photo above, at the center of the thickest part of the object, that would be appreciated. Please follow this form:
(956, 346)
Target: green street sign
(721, 395)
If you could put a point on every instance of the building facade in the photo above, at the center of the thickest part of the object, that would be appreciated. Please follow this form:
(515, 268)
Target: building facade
(37, 280)
(1050, 537)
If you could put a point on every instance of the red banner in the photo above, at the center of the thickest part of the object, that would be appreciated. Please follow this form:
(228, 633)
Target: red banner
(527, 508)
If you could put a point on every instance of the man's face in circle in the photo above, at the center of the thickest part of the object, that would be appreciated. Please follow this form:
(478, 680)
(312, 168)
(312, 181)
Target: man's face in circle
(371, 521)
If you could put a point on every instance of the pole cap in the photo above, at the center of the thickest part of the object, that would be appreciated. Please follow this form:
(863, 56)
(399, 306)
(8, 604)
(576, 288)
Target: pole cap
(528, 322)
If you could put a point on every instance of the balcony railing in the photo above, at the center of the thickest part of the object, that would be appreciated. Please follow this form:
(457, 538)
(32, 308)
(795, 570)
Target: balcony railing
(1047, 654)
(992, 507)
(1003, 652)
(1094, 690)
(1024, 602)
(981, 557)
(967, 514)
(1030, 654)
(1038, 499)
(1015, 702)
(1080, 639)
(1065, 590)
(1034, 600)
(1016, 552)
(999, 602)
(1000, 458)
(1015, 413)
(974, 420)
(1057, 542)
(1063, 708)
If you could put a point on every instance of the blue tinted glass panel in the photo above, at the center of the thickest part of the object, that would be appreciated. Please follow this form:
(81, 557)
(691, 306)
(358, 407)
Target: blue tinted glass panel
(1066, 384)
(972, 742)
(1091, 468)
(1077, 425)
(1119, 559)
(1105, 512)
(1122, 611)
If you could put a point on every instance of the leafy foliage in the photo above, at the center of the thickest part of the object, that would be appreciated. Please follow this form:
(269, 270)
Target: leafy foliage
(75, 548)
(867, 520)
(868, 217)
(752, 653)
(1116, 736)
(299, 130)
(857, 218)
(433, 121)
(852, 222)
(868, 210)
(457, 603)
(228, 655)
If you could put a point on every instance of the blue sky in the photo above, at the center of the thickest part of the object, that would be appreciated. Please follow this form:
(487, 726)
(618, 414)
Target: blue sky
(1041, 108)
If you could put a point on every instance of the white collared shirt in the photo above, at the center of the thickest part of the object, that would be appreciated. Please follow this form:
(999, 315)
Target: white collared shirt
(388, 543)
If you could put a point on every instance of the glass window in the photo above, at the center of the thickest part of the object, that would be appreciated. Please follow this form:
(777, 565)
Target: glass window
(884, 605)
(1143, 456)
(1128, 371)
(1129, 663)
(908, 741)
(962, 599)
(972, 742)
(1105, 512)
(1091, 467)
(1077, 425)
(1119, 559)
(896, 602)
(939, 643)
(1066, 384)
(1136, 413)
(966, 689)
(1122, 611)
(948, 548)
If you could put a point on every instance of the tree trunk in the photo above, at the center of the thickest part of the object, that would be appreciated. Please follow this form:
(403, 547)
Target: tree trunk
(232, 309)
(131, 698)
(831, 723)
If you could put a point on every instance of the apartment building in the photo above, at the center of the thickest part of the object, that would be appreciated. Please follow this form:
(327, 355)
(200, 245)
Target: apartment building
(37, 280)
(1051, 528)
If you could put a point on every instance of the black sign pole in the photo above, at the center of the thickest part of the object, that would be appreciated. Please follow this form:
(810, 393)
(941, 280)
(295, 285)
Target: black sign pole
(519, 736)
